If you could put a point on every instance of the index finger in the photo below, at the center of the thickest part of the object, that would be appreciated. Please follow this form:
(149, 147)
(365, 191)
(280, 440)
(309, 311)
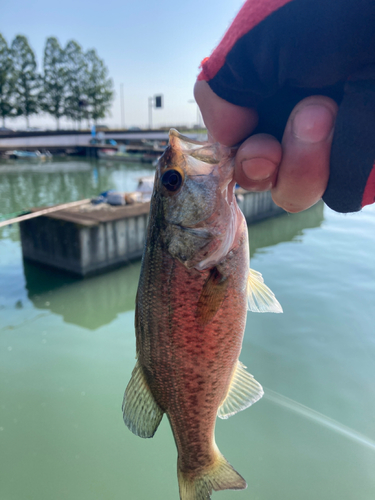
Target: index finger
(226, 123)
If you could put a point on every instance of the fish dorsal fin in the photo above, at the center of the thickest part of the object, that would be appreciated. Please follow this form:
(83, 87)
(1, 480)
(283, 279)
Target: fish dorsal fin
(243, 391)
(259, 297)
(212, 296)
(141, 412)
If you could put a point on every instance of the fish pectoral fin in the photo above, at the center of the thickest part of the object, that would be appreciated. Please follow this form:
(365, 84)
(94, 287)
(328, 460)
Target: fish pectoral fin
(259, 297)
(212, 296)
(141, 412)
(243, 391)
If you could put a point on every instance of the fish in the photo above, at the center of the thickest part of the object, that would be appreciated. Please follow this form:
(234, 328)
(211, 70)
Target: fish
(194, 290)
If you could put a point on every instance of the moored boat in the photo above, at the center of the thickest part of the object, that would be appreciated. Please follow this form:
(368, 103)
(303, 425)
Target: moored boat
(28, 155)
(122, 154)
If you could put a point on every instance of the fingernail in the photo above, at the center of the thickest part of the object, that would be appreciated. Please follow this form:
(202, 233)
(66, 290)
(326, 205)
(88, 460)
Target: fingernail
(258, 169)
(313, 123)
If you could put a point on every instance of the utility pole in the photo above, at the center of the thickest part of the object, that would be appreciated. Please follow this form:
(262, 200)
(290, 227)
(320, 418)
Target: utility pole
(198, 116)
(122, 105)
(150, 104)
(193, 101)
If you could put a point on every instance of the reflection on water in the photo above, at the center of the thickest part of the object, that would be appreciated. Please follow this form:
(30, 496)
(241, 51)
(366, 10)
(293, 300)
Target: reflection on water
(89, 303)
(286, 227)
(94, 302)
(67, 349)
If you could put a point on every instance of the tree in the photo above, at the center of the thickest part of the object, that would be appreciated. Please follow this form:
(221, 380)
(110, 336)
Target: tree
(6, 81)
(76, 98)
(52, 99)
(27, 81)
(99, 88)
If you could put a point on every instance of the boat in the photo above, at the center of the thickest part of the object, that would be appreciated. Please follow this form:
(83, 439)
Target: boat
(28, 155)
(121, 154)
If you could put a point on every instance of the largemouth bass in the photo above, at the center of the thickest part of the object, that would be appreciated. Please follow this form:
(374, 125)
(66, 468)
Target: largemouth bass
(194, 290)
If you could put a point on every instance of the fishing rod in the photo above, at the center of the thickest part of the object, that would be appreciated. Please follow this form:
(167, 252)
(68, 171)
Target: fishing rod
(44, 211)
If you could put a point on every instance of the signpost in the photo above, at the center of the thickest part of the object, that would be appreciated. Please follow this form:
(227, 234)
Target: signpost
(154, 102)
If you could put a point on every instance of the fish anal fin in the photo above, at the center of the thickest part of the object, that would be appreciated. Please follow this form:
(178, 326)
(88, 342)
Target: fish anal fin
(243, 391)
(219, 476)
(259, 297)
(140, 411)
(212, 296)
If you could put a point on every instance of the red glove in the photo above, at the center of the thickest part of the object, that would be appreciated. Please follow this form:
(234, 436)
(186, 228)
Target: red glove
(278, 52)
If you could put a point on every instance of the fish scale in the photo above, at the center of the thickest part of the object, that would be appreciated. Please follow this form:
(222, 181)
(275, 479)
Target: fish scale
(191, 307)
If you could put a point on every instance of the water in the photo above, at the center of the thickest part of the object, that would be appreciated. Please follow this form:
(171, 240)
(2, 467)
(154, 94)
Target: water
(67, 350)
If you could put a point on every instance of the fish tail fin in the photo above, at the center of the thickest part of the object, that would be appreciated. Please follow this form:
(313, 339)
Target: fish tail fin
(219, 476)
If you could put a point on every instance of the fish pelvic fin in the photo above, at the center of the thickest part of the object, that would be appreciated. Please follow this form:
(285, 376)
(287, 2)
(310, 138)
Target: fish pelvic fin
(219, 476)
(243, 391)
(259, 297)
(141, 413)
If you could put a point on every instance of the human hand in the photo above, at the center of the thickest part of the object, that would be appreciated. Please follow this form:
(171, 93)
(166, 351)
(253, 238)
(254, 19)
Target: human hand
(291, 76)
(295, 170)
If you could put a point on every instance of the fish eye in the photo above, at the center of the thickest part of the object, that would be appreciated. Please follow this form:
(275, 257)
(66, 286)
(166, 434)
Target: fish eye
(171, 180)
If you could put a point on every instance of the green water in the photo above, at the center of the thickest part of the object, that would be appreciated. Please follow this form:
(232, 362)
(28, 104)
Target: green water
(67, 350)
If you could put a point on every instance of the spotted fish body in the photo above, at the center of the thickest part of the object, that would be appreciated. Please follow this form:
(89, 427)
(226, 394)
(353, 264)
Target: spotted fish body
(193, 294)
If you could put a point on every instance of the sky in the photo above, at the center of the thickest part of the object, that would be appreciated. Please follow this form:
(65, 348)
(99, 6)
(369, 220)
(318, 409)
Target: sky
(151, 47)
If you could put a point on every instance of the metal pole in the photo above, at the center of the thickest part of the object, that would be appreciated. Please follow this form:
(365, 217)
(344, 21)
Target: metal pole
(150, 103)
(193, 101)
(122, 105)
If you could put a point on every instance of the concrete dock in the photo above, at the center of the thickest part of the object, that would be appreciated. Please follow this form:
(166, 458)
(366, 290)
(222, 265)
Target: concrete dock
(76, 142)
(89, 239)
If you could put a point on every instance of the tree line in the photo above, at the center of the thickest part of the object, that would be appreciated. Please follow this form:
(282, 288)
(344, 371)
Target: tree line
(73, 83)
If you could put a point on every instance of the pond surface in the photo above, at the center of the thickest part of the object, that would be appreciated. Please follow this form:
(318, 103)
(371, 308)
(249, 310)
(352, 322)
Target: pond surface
(67, 350)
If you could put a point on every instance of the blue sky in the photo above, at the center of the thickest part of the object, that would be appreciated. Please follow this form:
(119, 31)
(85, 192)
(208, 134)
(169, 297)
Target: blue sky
(151, 47)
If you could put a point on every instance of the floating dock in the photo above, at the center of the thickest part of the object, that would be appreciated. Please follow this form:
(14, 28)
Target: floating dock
(88, 239)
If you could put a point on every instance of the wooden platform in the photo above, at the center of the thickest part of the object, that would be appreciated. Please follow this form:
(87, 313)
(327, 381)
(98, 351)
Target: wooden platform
(92, 215)
(91, 238)
(88, 239)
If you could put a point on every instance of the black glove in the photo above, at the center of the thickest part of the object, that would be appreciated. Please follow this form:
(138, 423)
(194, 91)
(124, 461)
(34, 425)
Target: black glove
(278, 52)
